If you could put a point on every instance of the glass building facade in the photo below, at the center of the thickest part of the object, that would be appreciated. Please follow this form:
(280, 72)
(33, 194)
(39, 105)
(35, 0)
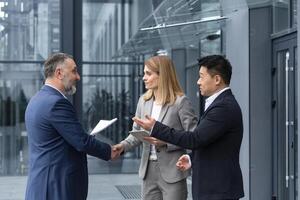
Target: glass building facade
(114, 47)
(29, 32)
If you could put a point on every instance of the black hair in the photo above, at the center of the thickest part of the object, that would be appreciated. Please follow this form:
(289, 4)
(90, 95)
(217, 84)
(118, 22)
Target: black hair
(217, 65)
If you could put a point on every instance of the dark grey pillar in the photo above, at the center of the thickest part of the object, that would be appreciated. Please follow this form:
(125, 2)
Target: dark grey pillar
(71, 41)
(260, 22)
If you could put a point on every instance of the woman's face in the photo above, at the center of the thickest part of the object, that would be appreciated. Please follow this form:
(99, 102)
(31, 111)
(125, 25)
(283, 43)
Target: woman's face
(150, 78)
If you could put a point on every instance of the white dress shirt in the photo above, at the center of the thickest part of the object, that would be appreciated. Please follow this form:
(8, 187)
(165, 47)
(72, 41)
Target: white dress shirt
(211, 99)
(154, 114)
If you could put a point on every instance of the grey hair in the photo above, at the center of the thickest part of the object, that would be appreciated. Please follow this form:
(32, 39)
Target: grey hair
(53, 61)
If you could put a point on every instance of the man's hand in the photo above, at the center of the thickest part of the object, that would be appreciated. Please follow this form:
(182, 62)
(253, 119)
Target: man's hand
(154, 141)
(146, 123)
(183, 163)
(116, 151)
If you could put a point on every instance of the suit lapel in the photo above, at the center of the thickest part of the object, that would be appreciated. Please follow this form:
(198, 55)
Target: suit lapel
(163, 112)
(148, 110)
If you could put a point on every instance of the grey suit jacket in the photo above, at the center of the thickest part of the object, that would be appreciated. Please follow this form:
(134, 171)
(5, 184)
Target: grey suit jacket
(180, 116)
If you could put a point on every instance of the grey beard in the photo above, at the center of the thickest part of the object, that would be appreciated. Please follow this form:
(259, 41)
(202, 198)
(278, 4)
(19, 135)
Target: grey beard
(70, 91)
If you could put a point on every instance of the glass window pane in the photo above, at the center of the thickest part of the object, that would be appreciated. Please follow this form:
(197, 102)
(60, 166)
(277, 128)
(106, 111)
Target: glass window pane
(29, 30)
(281, 15)
(18, 83)
(211, 44)
(294, 13)
(111, 86)
(110, 91)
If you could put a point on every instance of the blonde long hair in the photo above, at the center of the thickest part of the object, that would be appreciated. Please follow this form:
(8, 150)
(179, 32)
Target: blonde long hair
(168, 85)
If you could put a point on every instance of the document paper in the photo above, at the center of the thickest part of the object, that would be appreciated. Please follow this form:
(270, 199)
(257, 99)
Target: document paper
(102, 124)
(140, 135)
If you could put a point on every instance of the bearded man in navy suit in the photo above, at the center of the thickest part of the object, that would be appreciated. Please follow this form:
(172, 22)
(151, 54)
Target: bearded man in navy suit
(57, 142)
(216, 141)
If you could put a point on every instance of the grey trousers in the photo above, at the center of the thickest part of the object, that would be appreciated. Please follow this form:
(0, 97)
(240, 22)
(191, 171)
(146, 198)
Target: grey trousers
(155, 188)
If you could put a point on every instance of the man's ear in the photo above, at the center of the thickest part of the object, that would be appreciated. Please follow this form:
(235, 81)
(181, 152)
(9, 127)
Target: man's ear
(218, 80)
(58, 73)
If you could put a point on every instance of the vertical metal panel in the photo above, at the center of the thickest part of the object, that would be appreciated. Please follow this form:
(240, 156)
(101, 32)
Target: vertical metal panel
(298, 92)
(71, 42)
(237, 51)
(77, 16)
(260, 103)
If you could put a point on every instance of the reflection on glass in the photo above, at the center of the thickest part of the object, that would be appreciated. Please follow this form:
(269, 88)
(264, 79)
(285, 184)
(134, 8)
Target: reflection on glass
(175, 24)
(192, 89)
(111, 91)
(107, 94)
(18, 83)
(281, 15)
(211, 44)
(96, 29)
(111, 86)
(29, 32)
(294, 13)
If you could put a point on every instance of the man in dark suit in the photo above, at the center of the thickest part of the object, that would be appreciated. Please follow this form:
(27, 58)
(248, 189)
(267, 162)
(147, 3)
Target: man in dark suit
(57, 142)
(216, 141)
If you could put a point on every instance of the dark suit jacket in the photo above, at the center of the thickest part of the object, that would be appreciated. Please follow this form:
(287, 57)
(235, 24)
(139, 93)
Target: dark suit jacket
(57, 149)
(215, 142)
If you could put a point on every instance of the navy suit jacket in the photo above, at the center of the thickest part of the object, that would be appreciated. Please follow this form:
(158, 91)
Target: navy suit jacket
(215, 142)
(57, 149)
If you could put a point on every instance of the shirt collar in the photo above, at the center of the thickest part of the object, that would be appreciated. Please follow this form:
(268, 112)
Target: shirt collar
(211, 99)
(56, 89)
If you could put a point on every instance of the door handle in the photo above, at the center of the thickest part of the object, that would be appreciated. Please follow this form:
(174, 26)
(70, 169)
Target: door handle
(287, 55)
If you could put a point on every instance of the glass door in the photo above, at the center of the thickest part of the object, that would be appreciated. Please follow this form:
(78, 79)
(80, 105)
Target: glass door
(284, 115)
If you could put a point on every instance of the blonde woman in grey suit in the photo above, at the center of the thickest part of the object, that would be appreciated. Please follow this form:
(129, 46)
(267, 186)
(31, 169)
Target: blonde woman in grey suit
(166, 102)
